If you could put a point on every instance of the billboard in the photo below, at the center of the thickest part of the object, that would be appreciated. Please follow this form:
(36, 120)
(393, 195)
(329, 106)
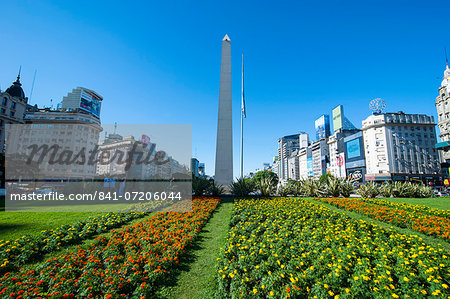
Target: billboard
(322, 125)
(90, 103)
(309, 165)
(340, 163)
(338, 117)
(353, 148)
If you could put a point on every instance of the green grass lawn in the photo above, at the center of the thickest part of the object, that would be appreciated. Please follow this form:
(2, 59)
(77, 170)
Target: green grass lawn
(16, 224)
(196, 275)
(435, 202)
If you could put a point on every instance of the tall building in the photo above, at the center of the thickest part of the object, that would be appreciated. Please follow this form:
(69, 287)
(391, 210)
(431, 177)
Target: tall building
(201, 170)
(276, 166)
(293, 166)
(12, 110)
(304, 155)
(320, 157)
(286, 146)
(83, 99)
(322, 125)
(195, 166)
(340, 121)
(399, 146)
(224, 144)
(443, 110)
(337, 165)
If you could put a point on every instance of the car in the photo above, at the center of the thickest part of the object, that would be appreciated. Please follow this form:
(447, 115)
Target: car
(441, 193)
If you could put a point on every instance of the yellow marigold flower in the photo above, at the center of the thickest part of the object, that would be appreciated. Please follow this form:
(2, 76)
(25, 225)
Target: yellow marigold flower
(445, 286)
(356, 278)
(394, 295)
(255, 291)
(231, 275)
(325, 286)
(331, 293)
(406, 279)
(347, 290)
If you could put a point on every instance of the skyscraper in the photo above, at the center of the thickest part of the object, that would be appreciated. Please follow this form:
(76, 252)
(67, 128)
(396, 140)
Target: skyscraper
(224, 144)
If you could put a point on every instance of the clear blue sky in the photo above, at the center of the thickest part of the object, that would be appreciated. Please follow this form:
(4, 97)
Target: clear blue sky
(160, 63)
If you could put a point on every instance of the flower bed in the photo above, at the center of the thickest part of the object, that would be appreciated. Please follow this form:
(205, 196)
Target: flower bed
(427, 224)
(408, 207)
(127, 263)
(294, 248)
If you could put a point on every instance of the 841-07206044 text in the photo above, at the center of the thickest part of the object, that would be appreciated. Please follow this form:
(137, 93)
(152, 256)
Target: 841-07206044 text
(136, 195)
(101, 196)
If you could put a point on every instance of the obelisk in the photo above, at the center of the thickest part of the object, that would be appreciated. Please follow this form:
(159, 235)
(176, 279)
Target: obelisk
(224, 144)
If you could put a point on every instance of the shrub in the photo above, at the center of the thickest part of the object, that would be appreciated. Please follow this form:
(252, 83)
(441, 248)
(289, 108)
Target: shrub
(199, 185)
(266, 186)
(312, 187)
(369, 190)
(242, 187)
(215, 189)
(347, 187)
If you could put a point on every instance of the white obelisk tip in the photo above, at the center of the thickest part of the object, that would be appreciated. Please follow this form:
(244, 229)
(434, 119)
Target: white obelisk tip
(226, 38)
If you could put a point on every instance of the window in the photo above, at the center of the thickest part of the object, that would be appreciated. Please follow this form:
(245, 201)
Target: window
(12, 113)
(13, 105)
(3, 110)
(4, 101)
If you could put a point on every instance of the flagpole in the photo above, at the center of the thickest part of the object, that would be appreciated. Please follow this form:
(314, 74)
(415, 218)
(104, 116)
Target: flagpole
(242, 119)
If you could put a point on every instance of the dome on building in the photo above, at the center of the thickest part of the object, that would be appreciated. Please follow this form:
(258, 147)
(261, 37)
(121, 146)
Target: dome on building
(15, 90)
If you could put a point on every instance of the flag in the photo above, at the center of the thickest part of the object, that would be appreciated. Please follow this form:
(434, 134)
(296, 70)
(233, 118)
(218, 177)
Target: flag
(243, 95)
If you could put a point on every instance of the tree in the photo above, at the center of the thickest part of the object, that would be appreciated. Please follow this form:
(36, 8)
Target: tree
(265, 174)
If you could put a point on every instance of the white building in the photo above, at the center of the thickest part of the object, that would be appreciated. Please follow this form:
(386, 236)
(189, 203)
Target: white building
(303, 155)
(286, 146)
(337, 152)
(293, 166)
(400, 146)
(319, 153)
(74, 131)
(443, 110)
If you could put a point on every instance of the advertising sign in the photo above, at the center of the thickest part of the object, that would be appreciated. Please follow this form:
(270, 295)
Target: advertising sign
(322, 125)
(90, 103)
(145, 139)
(338, 117)
(353, 148)
(340, 163)
(309, 165)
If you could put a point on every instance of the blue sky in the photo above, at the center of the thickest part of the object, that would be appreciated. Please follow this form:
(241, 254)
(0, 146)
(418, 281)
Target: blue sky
(160, 63)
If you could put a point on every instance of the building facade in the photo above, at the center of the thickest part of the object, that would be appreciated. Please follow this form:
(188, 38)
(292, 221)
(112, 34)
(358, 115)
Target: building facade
(443, 111)
(286, 146)
(12, 110)
(337, 165)
(195, 167)
(303, 155)
(83, 99)
(75, 130)
(399, 146)
(293, 166)
(322, 125)
(320, 157)
(355, 162)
